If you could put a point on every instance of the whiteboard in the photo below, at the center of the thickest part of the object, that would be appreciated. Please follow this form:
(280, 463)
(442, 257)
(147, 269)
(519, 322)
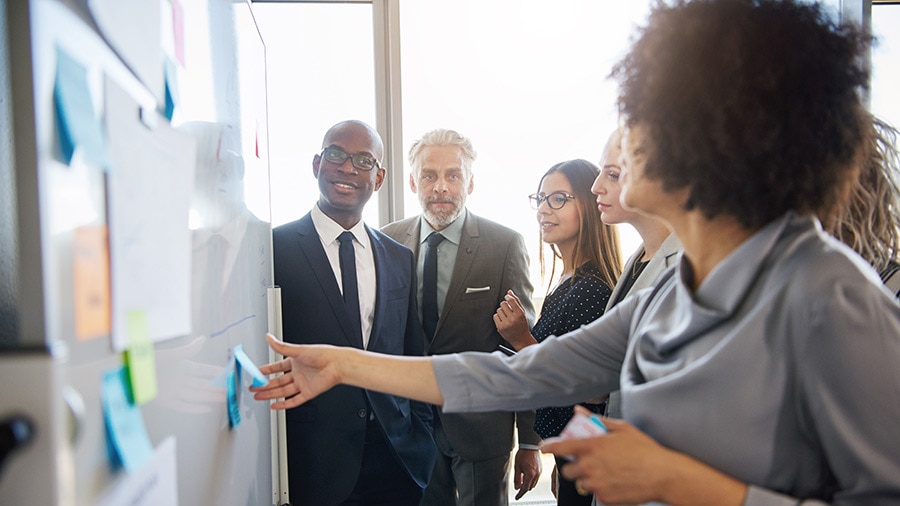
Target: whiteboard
(215, 136)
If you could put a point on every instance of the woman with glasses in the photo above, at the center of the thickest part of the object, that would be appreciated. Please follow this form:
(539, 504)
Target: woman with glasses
(586, 252)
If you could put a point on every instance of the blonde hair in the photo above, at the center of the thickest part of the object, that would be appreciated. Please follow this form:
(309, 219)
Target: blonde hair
(869, 220)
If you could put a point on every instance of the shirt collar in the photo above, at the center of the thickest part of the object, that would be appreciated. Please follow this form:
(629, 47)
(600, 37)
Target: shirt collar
(729, 282)
(329, 230)
(452, 233)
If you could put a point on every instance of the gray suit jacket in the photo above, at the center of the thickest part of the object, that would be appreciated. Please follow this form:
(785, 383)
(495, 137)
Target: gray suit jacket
(664, 258)
(490, 255)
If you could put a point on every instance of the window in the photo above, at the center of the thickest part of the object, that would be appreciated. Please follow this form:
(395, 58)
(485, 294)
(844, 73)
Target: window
(885, 56)
(525, 80)
(310, 89)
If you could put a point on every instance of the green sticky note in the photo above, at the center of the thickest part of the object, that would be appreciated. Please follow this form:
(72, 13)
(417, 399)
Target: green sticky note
(139, 359)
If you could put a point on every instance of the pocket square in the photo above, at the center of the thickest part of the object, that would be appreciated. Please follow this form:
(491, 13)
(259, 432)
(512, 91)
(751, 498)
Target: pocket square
(477, 289)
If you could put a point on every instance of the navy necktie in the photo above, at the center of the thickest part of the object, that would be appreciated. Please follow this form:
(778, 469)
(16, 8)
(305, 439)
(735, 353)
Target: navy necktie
(429, 286)
(348, 278)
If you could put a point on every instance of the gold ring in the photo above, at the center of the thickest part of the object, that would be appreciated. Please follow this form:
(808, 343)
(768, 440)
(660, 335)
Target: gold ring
(580, 489)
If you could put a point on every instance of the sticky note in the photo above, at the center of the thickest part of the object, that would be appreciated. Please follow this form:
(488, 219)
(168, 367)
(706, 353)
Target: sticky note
(124, 423)
(171, 89)
(90, 283)
(178, 30)
(232, 387)
(156, 483)
(139, 358)
(244, 362)
(76, 124)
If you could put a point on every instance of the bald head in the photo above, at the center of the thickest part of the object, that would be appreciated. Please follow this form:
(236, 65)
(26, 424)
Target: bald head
(359, 130)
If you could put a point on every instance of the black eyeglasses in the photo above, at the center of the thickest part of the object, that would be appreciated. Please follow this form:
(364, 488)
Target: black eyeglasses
(555, 200)
(360, 161)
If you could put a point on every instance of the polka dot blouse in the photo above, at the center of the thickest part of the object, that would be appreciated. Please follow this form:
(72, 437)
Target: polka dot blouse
(575, 302)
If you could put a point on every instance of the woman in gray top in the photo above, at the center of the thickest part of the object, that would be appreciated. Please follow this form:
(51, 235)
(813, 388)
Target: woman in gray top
(762, 368)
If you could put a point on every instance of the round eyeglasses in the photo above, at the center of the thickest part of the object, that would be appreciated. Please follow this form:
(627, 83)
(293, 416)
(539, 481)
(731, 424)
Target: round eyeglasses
(555, 200)
(359, 161)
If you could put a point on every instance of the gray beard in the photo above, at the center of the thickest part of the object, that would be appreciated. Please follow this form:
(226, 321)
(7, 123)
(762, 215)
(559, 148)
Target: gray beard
(442, 220)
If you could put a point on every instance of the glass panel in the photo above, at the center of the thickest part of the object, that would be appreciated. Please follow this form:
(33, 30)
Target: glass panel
(310, 89)
(885, 59)
(526, 82)
(9, 275)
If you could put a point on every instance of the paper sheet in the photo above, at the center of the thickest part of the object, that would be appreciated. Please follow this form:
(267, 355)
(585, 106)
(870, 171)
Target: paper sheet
(150, 182)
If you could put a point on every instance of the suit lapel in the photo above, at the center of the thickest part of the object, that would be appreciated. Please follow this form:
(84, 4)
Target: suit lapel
(465, 256)
(312, 248)
(664, 258)
(411, 237)
(381, 264)
(629, 264)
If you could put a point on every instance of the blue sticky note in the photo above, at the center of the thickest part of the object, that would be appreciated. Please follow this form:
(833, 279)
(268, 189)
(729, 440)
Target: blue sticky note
(115, 463)
(124, 423)
(76, 123)
(244, 361)
(234, 405)
(171, 89)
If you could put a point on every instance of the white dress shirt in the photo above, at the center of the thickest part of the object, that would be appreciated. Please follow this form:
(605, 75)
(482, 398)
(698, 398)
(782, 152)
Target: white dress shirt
(328, 231)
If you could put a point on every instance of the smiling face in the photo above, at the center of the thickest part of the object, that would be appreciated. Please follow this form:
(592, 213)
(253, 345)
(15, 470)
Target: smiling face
(558, 226)
(344, 190)
(442, 184)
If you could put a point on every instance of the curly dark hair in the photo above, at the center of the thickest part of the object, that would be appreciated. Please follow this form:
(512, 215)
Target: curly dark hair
(753, 105)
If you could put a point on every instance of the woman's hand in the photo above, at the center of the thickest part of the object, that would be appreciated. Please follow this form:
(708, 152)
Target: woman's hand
(306, 372)
(627, 466)
(311, 369)
(511, 322)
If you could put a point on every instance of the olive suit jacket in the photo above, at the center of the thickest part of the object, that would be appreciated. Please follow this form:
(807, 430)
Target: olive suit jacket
(491, 260)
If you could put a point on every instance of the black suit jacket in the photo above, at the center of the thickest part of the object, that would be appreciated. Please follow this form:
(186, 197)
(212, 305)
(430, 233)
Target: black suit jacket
(325, 436)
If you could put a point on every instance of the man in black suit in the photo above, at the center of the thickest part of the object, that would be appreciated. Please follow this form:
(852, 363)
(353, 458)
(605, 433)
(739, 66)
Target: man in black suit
(352, 446)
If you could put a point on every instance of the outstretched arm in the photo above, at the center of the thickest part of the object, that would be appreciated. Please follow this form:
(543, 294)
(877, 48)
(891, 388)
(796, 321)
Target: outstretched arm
(309, 370)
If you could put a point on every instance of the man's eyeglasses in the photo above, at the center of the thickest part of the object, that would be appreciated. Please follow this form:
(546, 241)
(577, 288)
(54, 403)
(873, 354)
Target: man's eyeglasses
(555, 200)
(359, 161)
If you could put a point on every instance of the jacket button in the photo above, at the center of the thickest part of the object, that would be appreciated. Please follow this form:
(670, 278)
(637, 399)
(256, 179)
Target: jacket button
(361, 413)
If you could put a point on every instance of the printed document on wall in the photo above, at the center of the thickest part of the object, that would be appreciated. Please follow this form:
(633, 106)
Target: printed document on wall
(151, 177)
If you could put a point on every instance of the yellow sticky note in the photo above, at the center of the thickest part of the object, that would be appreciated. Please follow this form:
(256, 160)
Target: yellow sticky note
(139, 359)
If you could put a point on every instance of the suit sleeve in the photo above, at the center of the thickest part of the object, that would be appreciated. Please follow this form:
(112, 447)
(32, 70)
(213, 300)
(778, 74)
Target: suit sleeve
(516, 277)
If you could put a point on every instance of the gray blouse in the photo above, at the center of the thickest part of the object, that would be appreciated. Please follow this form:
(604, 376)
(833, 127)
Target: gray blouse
(782, 369)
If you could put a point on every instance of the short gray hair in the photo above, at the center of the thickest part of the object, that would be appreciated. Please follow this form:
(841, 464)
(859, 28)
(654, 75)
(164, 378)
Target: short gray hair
(443, 137)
